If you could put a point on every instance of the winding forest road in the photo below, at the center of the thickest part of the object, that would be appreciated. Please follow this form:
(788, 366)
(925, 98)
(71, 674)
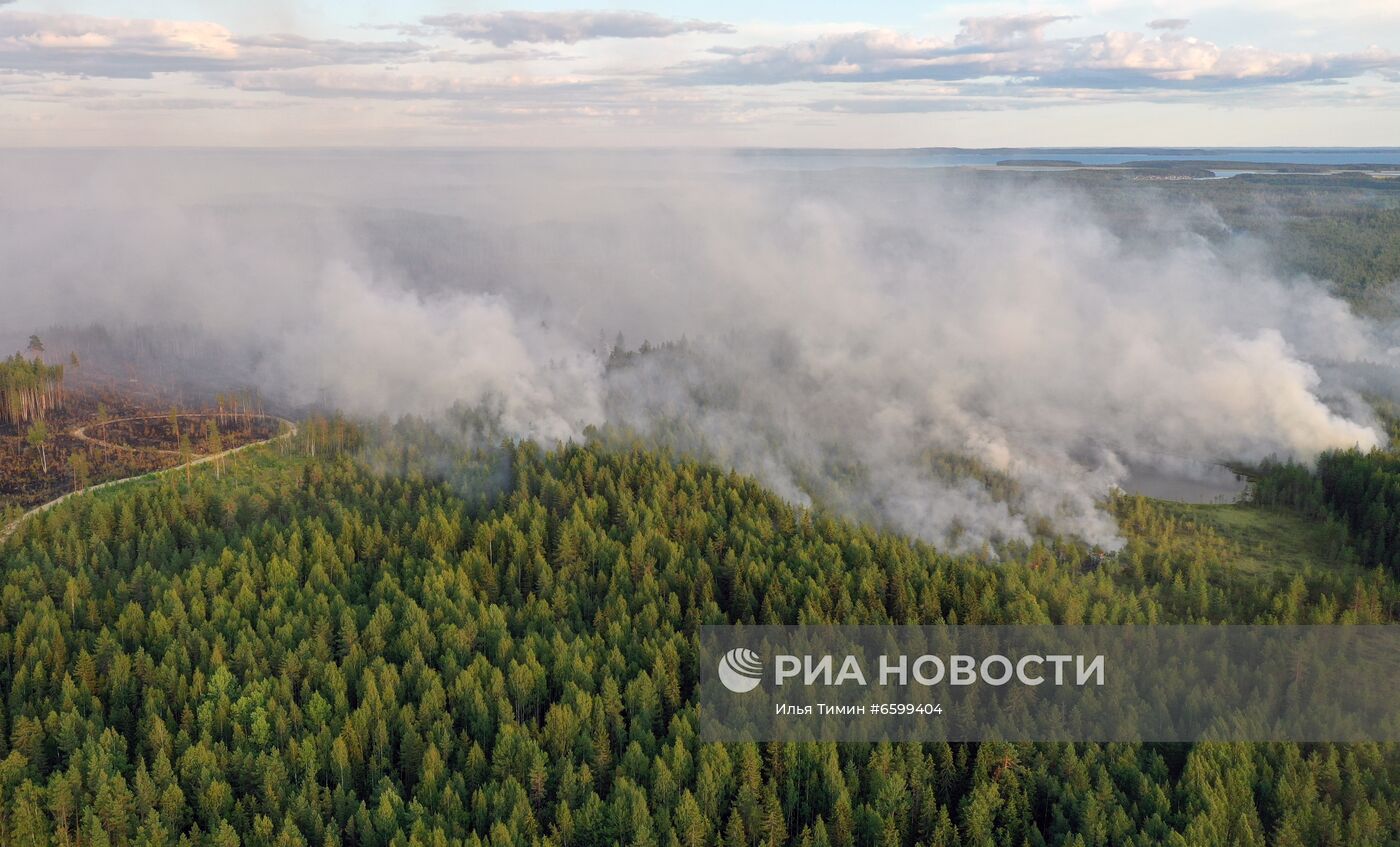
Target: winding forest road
(78, 433)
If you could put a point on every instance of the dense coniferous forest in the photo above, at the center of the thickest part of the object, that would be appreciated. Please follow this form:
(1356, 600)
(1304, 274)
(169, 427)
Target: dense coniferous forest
(423, 645)
(1358, 252)
(308, 651)
(1358, 490)
(1363, 489)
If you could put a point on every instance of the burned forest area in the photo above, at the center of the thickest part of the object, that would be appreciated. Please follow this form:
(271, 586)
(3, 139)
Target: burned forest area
(64, 427)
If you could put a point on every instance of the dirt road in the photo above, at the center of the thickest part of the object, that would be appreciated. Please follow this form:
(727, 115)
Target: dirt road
(78, 433)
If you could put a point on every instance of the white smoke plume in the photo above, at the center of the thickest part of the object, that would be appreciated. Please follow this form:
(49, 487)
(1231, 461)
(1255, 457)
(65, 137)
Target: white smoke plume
(852, 337)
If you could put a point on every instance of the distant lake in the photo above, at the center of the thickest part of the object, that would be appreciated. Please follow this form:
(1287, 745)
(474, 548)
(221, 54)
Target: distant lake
(1206, 483)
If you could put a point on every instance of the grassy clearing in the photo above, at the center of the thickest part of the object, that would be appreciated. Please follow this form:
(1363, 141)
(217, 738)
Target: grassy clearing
(1266, 539)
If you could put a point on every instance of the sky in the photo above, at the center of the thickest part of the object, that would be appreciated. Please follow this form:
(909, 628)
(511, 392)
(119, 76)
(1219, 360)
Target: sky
(678, 73)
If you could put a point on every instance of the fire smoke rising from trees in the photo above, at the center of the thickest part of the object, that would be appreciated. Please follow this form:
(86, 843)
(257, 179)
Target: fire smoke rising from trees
(958, 360)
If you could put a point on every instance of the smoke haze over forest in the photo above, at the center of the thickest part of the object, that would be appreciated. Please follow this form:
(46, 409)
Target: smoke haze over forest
(847, 333)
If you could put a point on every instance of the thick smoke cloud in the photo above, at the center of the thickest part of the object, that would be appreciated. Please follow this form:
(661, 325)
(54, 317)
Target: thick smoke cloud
(961, 361)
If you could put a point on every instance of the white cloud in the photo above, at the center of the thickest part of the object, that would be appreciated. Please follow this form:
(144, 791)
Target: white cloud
(505, 28)
(133, 48)
(398, 84)
(1006, 30)
(1015, 47)
(487, 57)
(487, 67)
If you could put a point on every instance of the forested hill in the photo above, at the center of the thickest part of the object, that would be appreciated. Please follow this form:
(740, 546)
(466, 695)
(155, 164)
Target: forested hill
(309, 653)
